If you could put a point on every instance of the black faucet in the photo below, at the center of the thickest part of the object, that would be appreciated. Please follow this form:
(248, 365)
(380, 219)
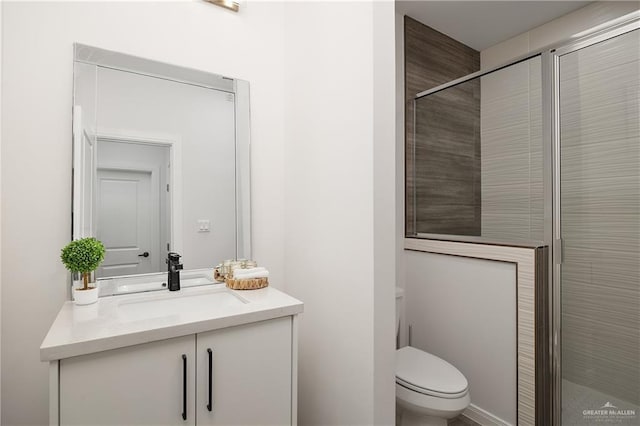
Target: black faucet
(174, 267)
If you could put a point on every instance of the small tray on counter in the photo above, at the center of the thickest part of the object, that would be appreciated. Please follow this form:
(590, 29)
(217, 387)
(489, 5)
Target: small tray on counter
(247, 284)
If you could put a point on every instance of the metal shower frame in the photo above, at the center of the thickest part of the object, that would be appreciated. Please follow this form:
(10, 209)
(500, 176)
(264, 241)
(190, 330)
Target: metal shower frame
(550, 66)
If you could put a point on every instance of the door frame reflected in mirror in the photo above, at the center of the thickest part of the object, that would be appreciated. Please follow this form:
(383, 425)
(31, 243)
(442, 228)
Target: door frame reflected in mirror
(173, 239)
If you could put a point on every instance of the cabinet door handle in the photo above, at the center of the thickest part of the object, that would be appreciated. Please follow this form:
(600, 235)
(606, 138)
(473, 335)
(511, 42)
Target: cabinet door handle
(210, 404)
(184, 387)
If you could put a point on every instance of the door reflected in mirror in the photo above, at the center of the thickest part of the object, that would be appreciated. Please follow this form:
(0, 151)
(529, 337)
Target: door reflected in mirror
(133, 209)
(160, 163)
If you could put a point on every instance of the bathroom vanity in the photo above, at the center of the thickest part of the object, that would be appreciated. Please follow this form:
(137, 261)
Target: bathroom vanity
(161, 170)
(205, 355)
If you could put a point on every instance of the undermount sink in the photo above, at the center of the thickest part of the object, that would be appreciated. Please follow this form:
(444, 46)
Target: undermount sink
(154, 305)
(143, 284)
(186, 282)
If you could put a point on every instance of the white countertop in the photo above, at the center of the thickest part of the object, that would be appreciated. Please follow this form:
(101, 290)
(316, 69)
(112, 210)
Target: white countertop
(125, 320)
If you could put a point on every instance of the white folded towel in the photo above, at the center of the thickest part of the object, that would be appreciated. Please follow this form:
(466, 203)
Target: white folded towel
(243, 274)
(250, 270)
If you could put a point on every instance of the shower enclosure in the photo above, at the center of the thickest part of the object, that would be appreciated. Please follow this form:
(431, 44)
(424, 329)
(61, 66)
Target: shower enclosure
(597, 225)
(546, 150)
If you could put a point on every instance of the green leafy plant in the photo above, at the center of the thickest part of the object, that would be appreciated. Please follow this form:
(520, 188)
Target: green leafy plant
(84, 256)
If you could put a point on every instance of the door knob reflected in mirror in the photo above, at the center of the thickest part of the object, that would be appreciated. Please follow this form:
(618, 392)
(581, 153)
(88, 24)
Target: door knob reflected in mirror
(145, 254)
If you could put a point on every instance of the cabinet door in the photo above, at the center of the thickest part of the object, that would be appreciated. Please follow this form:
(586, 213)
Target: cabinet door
(250, 374)
(136, 385)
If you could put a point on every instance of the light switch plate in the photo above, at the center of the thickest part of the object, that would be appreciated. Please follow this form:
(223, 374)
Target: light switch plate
(204, 225)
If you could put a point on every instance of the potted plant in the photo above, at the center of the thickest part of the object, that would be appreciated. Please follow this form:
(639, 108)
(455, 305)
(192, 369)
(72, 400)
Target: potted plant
(83, 256)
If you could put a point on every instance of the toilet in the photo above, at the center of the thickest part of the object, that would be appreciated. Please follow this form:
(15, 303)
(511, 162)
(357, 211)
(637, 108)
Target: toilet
(429, 390)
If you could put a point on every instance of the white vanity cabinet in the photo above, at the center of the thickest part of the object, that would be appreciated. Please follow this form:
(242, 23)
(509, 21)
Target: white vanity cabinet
(249, 368)
(135, 385)
(250, 375)
(208, 353)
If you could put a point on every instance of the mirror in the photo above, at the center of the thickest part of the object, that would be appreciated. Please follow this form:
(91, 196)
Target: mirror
(160, 162)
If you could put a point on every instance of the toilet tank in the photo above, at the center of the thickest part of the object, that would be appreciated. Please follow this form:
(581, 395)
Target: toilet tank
(399, 296)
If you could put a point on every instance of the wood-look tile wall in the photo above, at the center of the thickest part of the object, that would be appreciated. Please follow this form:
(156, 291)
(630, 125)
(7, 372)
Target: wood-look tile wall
(512, 163)
(600, 220)
(447, 146)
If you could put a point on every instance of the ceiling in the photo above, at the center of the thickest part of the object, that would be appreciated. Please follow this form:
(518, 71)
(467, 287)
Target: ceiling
(481, 24)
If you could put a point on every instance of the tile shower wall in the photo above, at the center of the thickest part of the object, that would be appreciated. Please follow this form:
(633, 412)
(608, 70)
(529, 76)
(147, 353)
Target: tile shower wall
(600, 199)
(601, 284)
(447, 147)
(512, 164)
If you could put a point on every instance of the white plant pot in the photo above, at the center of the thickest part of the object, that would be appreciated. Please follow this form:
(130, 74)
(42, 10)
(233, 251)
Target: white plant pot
(85, 297)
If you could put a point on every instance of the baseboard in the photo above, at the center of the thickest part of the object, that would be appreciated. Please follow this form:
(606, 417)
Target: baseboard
(482, 417)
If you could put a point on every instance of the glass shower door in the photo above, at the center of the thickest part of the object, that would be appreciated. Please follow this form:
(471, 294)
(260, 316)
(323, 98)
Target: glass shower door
(599, 212)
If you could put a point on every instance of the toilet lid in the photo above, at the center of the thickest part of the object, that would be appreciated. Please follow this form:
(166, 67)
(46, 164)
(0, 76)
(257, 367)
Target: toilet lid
(425, 372)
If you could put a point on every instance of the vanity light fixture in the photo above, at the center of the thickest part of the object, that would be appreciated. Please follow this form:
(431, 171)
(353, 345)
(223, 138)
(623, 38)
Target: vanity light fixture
(227, 4)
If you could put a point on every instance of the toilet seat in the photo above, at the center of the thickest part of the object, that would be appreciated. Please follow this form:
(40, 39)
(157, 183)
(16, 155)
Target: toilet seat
(430, 392)
(427, 374)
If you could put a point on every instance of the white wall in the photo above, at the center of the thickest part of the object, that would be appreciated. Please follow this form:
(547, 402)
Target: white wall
(464, 311)
(36, 147)
(336, 191)
(385, 233)
(1, 32)
(329, 197)
(328, 129)
(400, 158)
(562, 28)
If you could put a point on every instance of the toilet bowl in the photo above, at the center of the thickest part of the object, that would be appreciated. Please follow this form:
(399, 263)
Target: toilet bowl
(429, 390)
